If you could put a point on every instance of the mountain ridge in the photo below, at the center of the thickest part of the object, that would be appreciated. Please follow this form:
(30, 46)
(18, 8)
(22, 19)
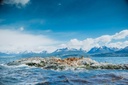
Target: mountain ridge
(66, 52)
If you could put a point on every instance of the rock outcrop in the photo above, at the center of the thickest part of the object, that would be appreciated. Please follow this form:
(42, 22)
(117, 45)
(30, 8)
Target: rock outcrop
(67, 63)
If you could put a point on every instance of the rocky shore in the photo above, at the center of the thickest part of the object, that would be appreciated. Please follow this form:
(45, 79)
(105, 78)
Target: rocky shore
(67, 63)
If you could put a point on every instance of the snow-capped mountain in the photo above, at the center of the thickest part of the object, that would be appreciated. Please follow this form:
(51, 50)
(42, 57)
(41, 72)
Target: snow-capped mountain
(65, 52)
(66, 49)
(124, 50)
(103, 49)
(26, 54)
(111, 52)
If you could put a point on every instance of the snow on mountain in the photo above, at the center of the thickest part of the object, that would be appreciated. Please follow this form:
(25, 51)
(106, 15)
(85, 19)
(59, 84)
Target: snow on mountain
(103, 49)
(65, 49)
(65, 52)
(124, 50)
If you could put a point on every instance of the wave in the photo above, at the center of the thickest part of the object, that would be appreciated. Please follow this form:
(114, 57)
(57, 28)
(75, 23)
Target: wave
(5, 65)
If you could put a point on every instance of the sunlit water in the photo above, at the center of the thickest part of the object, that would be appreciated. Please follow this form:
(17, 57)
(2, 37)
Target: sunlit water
(24, 75)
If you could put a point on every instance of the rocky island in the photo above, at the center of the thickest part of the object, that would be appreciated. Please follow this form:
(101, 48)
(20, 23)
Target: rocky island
(56, 63)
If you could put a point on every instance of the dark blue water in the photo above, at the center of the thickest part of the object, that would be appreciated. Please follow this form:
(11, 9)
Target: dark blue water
(24, 75)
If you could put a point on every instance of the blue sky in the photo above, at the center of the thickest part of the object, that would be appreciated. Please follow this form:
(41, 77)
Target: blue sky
(64, 20)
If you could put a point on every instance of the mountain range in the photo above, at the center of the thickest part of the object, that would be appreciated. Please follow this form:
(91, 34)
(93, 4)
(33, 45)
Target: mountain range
(103, 49)
(66, 52)
(109, 52)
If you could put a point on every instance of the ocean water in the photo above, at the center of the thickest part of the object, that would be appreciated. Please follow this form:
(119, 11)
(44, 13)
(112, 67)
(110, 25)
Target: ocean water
(24, 75)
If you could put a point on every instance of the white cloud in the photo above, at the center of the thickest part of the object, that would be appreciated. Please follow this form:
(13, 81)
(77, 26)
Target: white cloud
(121, 35)
(104, 40)
(21, 28)
(18, 3)
(118, 44)
(16, 41)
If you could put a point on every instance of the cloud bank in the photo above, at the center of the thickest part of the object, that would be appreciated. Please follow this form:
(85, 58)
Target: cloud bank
(18, 3)
(17, 41)
(118, 40)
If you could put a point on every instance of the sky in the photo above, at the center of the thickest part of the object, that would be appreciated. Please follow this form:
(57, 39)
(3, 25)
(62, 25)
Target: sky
(37, 25)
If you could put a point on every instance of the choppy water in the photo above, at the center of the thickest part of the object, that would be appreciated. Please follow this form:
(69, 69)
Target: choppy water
(24, 75)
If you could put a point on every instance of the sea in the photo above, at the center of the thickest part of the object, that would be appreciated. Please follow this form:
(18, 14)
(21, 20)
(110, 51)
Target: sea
(24, 75)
